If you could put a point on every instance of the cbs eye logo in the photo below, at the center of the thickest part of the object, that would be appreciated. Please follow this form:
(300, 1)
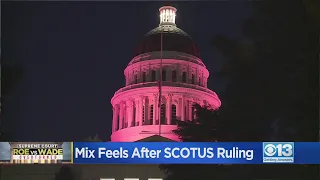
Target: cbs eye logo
(278, 149)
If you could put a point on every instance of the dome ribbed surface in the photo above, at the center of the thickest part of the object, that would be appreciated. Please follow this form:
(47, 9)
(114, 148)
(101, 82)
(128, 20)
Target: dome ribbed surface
(174, 39)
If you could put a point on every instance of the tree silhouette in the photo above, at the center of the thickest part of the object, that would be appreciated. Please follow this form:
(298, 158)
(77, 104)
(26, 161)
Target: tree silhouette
(273, 79)
(267, 73)
(65, 173)
(205, 128)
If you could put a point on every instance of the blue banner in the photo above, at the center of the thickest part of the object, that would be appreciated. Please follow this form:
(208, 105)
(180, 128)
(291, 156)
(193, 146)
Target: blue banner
(196, 153)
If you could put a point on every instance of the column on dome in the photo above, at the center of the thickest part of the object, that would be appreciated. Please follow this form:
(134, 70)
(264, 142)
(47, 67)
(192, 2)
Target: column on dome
(150, 113)
(178, 109)
(137, 112)
(169, 108)
(205, 82)
(127, 78)
(140, 74)
(177, 69)
(113, 119)
(116, 122)
(140, 110)
(132, 76)
(186, 104)
(130, 114)
(196, 75)
(121, 116)
(199, 80)
(149, 73)
(205, 103)
(125, 116)
(190, 110)
(200, 102)
(146, 111)
(155, 108)
(182, 107)
(188, 74)
(180, 73)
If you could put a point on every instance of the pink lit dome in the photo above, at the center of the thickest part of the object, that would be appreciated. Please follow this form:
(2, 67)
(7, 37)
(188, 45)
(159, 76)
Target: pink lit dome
(139, 113)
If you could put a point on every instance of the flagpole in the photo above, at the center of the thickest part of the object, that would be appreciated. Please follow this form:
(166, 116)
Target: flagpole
(160, 85)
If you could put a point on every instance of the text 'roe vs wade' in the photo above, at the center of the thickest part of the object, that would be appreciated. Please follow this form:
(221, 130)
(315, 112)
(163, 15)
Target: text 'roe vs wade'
(143, 152)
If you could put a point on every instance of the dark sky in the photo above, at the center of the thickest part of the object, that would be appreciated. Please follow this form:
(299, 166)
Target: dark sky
(74, 55)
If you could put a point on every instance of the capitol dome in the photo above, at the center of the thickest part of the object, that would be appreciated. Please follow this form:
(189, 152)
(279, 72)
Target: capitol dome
(163, 81)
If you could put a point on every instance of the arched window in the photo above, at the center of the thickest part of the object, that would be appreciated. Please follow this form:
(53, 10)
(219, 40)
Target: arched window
(153, 75)
(192, 79)
(184, 77)
(163, 114)
(173, 114)
(174, 76)
(135, 78)
(164, 75)
(144, 76)
(151, 114)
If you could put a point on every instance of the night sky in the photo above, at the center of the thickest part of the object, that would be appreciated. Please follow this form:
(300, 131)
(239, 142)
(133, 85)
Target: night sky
(74, 55)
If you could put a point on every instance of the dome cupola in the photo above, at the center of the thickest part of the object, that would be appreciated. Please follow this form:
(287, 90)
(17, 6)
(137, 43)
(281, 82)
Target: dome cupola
(173, 38)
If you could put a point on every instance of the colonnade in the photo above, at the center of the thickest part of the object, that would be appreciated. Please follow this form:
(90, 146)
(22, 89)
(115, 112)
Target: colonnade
(144, 110)
(182, 74)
